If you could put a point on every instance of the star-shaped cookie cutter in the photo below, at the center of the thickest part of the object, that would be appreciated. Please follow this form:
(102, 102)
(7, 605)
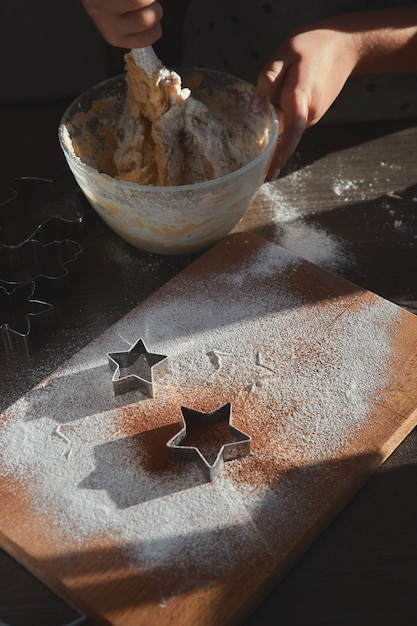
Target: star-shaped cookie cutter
(133, 369)
(199, 425)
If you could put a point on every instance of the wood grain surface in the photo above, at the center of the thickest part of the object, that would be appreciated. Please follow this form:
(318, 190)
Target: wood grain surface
(344, 182)
(288, 491)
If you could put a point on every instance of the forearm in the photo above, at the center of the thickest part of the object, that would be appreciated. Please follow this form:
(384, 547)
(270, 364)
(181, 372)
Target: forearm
(311, 66)
(383, 40)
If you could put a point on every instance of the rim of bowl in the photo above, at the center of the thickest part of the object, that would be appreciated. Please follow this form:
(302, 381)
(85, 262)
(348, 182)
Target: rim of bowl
(179, 188)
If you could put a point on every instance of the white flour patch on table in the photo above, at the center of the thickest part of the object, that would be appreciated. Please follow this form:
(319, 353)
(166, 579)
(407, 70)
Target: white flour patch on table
(307, 240)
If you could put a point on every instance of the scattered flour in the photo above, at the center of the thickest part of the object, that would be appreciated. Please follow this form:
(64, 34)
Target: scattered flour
(301, 379)
(341, 186)
(293, 232)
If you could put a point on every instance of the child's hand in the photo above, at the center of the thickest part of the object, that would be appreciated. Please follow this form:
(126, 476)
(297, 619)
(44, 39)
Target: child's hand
(126, 23)
(308, 71)
(311, 66)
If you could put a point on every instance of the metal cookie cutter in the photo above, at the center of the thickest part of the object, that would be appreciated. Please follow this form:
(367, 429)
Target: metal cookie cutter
(19, 310)
(41, 229)
(133, 369)
(43, 209)
(30, 274)
(44, 264)
(211, 433)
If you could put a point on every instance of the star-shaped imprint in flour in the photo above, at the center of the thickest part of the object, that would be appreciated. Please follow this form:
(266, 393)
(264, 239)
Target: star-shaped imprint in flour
(209, 439)
(133, 369)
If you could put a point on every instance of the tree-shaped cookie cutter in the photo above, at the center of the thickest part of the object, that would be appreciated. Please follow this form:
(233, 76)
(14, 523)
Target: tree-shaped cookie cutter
(41, 229)
(20, 310)
(237, 446)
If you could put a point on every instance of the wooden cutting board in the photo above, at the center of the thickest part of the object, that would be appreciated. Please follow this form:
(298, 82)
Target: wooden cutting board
(320, 373)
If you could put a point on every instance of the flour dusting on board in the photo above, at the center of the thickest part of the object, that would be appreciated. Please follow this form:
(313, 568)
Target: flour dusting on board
(302, 379)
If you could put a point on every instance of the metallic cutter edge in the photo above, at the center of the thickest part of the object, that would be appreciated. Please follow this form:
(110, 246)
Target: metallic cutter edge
(33, 254)
(124, 360)
(13, 339)
(25, 189)
(39, 287)
(228, 452)
(55, 237)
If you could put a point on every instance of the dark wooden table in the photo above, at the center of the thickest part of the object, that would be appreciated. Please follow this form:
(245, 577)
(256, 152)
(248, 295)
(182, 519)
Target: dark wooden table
(347, 201)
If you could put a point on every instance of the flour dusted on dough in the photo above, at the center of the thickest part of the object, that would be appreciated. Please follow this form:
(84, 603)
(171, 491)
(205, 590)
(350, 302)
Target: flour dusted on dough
(168, 137)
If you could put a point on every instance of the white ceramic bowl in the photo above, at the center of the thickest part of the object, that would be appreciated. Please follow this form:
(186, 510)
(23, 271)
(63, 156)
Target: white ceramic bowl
(165, 220)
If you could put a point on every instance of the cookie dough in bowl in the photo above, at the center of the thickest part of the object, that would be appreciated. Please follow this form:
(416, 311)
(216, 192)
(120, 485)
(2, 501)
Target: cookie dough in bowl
(178, 178)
